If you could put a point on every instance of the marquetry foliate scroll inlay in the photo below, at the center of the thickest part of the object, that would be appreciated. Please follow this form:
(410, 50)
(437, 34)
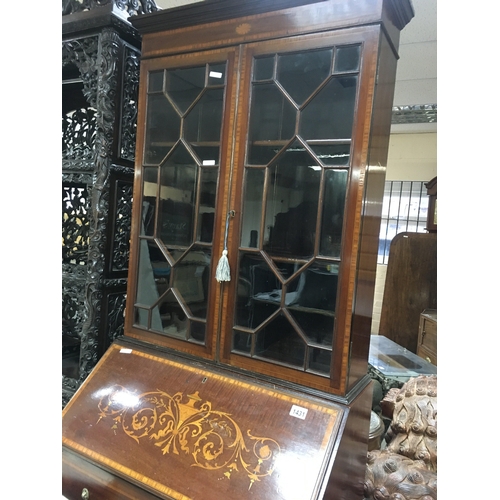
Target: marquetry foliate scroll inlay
(188, 426)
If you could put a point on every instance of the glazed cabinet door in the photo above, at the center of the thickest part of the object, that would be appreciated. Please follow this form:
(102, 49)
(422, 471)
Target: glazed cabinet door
(259, 149)
(303, 123)
(183, 156)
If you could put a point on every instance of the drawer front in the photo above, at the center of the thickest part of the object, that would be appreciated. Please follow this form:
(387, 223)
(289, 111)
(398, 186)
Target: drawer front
(429, 335)
(82, 480)
(426, 354)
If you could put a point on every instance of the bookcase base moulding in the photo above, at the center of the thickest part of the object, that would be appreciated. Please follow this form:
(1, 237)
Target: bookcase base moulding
(262, 138)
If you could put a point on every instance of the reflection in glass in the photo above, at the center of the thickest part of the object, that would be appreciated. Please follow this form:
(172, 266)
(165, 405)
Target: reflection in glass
(263, 68)
(252, 207)
(257, 283)
(155, 81)
(347, 58)
(184, 85)
(318, 328)
(242, 341)
(203, 122)
(272, 116)
(152, 281)
(198, 331)
(320, 360)
(217, 74)
(332, 154)
(190, 279)
(330, 114)
(206, 209)
(149, 194)
(333, 212)
(162, 128)
(177, 195)
(278, 341)
(317, 288)
(292, 204)
(302, 73)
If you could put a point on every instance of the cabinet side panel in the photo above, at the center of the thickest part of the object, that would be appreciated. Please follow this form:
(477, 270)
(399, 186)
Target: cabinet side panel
(372, 210)
(348, 472)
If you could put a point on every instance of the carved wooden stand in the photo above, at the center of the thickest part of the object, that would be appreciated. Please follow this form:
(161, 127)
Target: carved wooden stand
(100, 63)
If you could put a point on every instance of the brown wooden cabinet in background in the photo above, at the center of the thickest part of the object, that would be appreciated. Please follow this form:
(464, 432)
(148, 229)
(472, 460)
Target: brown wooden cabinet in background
(427, 336)
(263, 131)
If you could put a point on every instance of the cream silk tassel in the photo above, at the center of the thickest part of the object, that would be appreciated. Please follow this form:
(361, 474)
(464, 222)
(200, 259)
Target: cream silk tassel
(223, 272)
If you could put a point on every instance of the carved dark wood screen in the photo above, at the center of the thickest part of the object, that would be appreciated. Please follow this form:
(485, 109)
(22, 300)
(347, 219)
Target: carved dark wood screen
(100, 72)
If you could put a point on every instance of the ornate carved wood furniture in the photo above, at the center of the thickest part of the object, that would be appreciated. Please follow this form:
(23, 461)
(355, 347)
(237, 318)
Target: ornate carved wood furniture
(407, 468)
(262, 139)
(100, 70)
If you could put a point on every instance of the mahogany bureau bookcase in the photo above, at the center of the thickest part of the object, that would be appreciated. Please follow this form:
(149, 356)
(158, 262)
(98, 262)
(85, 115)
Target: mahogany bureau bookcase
(262, 140)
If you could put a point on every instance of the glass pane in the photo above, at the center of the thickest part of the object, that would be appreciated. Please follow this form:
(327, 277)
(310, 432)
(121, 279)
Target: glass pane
(347, 58)
(252, 207)
(183, 86)
(320, 360)
(332, 154)
(279, 341)
(330, 114)
(242, 342)
(198, 331)
(149, 194)
(259, 292)
(302, 73)
(206, 213)
(153, 277)
(333, 212)
(317, 289)
(162, 128)
(155, 81)
(318, 328)
(259, 154)
(190, 278)
(217, 74)
(204, 121)
(263, 68)
(292, 204)
(272, 116)
(177, 195)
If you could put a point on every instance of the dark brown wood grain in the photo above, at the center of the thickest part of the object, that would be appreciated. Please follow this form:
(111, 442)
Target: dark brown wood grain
(410, 287)
(186, 430)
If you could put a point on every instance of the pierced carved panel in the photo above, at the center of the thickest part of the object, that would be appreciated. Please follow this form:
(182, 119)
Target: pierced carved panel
(75, 224)
(73, 311)
(121, 236)
(78, 134)
(129, 104)
(132, 7)
(82, 53)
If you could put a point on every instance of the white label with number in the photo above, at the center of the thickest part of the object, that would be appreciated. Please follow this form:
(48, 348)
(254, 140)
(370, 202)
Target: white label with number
(298, 412)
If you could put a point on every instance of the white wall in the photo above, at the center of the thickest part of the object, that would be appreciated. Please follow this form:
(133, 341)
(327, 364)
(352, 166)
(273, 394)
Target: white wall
(412, 157)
